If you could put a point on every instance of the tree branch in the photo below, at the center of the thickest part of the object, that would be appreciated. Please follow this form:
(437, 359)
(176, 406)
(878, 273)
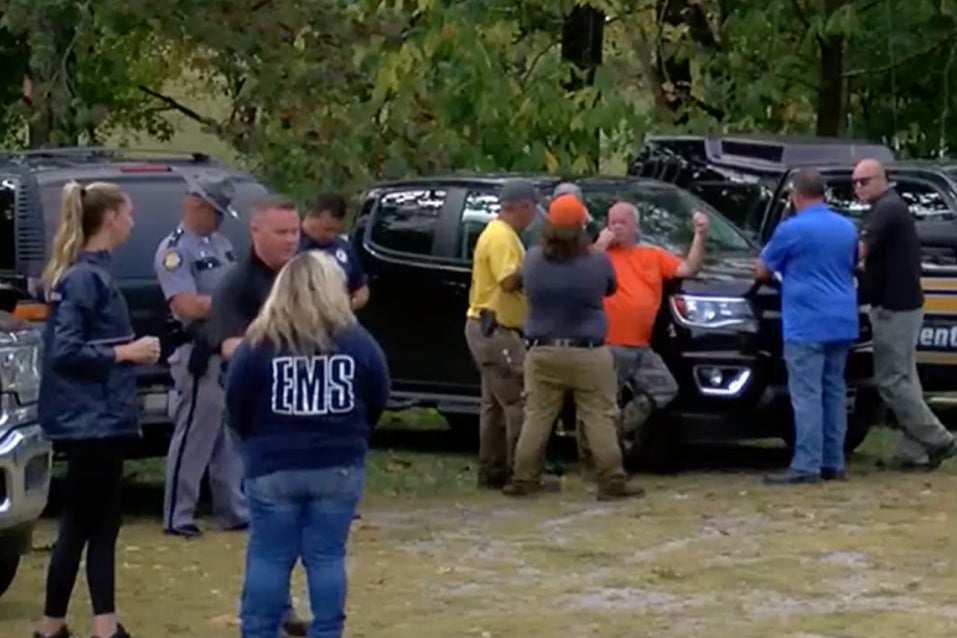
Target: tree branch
(801, 14)
(897, 63)
(176, 106)
(536, 59)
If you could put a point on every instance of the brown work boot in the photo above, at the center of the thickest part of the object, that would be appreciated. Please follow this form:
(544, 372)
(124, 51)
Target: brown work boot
(527, 488)
(491, 480)
(617, 489)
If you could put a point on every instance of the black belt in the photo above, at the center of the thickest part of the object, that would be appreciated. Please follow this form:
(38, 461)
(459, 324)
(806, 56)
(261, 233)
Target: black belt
(497, 326)
(564, 343)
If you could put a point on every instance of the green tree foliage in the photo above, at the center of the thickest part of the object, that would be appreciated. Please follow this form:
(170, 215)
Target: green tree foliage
(876, 69)
(335, 93)
(71, 72)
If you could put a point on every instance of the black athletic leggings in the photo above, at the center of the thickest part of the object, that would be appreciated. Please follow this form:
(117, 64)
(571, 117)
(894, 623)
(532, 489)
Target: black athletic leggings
(90, 518)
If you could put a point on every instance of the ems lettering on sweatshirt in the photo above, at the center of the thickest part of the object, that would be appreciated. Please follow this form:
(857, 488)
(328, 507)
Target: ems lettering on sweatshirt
(293, 411)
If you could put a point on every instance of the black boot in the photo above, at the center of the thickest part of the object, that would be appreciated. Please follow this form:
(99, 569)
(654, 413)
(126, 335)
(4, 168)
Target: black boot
(119, 633)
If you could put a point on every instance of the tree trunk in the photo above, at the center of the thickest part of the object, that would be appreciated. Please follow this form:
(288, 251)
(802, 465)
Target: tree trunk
(674, 73)
(830, 96)
(582, 41)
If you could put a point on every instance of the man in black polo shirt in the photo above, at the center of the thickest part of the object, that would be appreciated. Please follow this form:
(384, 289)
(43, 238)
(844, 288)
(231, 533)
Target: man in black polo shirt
(274, 227)
(891, 252)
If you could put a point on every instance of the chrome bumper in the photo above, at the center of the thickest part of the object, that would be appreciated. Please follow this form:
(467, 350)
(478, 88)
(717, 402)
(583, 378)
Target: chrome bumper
(25, 461)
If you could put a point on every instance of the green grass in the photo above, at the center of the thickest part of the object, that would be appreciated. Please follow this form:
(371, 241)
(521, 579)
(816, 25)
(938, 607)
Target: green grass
(705, 554)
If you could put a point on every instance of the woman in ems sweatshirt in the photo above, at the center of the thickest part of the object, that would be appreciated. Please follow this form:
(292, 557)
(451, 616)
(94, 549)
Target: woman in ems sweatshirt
(304, 390)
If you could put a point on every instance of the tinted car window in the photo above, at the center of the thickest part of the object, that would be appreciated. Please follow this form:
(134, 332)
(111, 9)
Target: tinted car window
(665, 217)
(405, 221)
(480, 208)
(926, 202)
(157, 206)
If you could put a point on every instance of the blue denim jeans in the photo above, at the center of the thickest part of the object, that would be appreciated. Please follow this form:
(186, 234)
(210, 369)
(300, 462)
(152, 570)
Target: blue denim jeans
(819, 398)
(296, 514)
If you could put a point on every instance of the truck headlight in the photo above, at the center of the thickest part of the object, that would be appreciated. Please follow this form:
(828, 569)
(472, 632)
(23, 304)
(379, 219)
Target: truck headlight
(711, 312)
(20, 353)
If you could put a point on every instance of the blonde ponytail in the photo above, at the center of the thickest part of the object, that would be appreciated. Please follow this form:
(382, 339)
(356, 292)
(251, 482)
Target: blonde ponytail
(82, 210)
(69, 235)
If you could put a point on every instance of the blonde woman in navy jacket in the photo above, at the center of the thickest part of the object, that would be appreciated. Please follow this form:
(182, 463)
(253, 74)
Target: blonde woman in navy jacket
(304, 390)
(88, 397)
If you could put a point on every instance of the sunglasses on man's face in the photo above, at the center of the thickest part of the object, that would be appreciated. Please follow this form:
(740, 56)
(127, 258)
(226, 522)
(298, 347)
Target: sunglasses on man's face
(861, 181)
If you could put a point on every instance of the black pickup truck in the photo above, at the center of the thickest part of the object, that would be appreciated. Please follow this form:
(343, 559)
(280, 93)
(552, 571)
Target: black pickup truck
(30, 187)
(750, 185)
(720, 333)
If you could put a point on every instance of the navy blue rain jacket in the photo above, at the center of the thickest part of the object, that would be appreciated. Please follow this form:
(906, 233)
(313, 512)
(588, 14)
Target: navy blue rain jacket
(84, 392)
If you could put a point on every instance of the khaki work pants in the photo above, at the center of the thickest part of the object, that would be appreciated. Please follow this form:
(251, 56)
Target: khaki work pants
(590, 374)
(653, 388)
(500, 358)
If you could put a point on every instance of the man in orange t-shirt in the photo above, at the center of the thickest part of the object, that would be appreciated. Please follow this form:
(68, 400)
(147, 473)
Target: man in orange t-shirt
(641, 270)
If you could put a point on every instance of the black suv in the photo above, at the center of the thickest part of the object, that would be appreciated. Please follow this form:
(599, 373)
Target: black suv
(738, 174)
(930, 188)
(719, 333)
(753, 191)
(30, 187)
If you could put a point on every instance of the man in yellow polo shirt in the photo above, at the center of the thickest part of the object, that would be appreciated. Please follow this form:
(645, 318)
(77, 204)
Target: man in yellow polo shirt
(493, 329)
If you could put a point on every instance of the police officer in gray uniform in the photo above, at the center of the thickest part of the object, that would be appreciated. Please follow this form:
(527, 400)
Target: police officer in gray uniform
(189, 264)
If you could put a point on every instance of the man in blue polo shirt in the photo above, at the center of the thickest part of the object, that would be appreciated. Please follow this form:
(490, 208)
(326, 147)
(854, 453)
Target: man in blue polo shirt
(815, 253)
(321, 230)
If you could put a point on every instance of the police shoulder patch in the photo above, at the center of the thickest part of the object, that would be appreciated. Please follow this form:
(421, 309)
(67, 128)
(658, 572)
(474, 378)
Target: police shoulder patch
(172, 259)
(341, 256)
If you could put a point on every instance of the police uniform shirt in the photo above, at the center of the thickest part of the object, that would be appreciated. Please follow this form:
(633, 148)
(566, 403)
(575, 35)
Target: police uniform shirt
(190, 263)
(342, 252)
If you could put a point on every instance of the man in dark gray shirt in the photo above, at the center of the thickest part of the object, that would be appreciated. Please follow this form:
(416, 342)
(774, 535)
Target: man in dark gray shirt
(565, 297)
(565, 327)
(891, 251)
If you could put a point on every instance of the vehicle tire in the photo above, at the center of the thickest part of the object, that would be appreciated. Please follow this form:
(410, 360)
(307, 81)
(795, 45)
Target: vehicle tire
(868, 410)
(657, 449)
(464, 424)
(8, 569)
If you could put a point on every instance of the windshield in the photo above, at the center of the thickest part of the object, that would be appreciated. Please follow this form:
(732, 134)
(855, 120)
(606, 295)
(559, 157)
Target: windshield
(666, 214)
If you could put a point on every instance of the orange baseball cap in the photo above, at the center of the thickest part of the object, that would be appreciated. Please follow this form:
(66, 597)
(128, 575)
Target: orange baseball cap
(567, 211)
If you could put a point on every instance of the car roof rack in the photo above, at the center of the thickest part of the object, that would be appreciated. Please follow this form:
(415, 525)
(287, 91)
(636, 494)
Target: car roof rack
(80, 154)
(767, 150)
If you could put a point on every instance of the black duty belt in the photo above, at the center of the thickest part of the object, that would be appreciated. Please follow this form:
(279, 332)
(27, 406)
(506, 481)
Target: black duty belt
(564, 343)
(490, 325)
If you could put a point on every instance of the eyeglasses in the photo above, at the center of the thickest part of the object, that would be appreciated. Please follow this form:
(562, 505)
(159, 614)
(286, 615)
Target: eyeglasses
(861, 181)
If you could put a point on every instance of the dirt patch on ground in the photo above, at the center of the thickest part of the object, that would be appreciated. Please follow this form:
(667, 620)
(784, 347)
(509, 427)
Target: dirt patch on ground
(714, 556)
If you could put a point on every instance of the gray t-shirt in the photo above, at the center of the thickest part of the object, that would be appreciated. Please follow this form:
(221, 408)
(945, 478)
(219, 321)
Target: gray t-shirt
(565, 298)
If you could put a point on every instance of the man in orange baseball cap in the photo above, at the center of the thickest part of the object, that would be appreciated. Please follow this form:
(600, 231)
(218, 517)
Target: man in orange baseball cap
(565, 283)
